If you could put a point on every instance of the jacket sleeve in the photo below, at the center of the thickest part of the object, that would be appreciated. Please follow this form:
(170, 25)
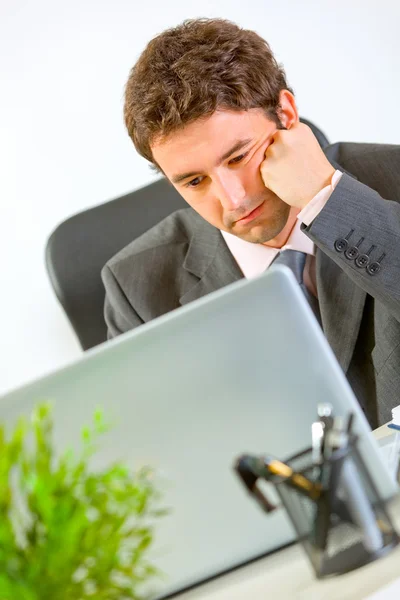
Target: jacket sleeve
(360, 231)
(119, 314)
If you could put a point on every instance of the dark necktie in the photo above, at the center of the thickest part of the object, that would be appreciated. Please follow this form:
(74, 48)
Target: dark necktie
(296, 260)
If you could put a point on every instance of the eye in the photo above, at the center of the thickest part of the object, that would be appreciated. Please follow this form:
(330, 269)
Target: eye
(238, 159)
(195, 182)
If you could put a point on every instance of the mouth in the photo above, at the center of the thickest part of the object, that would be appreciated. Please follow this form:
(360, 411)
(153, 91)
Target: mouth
(251, 216)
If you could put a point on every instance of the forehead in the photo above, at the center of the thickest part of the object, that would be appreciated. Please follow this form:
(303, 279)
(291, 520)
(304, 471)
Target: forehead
(201, 142)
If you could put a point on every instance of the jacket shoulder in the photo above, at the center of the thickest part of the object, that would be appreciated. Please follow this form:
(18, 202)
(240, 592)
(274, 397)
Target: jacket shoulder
(150, 270)
(374, 165)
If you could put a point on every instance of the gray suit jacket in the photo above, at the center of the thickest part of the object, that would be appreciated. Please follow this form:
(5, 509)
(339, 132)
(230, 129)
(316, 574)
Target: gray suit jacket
(183, 258)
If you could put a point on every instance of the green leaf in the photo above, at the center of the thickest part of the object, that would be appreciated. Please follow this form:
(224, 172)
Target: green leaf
(59, 517)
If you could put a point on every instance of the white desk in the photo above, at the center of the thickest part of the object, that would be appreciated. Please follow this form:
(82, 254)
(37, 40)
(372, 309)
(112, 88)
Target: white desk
(287, 574)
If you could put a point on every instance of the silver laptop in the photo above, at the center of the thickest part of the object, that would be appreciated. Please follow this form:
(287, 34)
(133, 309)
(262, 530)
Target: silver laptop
(240, 370)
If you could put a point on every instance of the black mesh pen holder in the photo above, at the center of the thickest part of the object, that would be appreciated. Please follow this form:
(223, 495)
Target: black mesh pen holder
(339, 531)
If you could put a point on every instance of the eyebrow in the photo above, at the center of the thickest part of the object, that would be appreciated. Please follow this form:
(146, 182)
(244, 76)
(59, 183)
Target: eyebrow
(237, 146)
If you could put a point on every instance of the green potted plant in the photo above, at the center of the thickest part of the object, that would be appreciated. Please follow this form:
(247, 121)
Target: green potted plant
(66, 532)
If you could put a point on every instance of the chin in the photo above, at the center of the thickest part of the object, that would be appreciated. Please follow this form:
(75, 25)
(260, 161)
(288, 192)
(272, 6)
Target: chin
(262, 233)
(269, 225)
(256, 237)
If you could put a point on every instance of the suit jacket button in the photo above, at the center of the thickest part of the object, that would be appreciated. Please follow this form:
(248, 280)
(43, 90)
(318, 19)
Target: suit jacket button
(362, 260)
(341, 244)
(373, 268)
(352, 253)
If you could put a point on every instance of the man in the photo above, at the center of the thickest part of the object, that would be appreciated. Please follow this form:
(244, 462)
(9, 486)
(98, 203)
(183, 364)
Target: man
(209, 106)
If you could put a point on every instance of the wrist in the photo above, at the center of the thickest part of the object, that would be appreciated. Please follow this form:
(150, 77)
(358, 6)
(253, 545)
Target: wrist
(324, 181)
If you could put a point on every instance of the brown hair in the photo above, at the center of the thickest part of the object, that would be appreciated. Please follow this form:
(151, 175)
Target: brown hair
(188, 72)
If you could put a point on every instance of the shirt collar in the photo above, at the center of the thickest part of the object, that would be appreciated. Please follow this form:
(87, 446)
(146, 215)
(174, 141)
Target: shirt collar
(253, 259)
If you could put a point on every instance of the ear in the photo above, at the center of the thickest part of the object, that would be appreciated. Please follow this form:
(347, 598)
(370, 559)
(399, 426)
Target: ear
(288, 112)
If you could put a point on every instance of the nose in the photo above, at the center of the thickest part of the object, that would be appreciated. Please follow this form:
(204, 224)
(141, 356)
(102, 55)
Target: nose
(230, 190)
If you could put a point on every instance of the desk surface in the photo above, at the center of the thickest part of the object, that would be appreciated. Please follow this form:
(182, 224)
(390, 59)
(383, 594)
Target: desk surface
(287, 574)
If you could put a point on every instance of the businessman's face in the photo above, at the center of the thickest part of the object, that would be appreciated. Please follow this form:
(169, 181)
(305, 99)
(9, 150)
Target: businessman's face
(214, 163)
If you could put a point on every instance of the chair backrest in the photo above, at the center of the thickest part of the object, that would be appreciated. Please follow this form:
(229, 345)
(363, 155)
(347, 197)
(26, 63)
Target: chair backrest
(79, 247)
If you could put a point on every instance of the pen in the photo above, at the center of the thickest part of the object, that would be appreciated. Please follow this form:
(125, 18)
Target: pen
(317, 434)
(276, 471)
(319, 431)
(325, 415)
(277, 468)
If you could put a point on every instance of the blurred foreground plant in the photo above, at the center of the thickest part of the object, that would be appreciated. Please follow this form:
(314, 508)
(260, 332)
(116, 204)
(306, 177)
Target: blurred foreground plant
(67, 533)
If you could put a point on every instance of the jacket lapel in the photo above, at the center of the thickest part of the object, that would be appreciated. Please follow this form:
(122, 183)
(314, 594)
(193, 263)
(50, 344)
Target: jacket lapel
(209, 258)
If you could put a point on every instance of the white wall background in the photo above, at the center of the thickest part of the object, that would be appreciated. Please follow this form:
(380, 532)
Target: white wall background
(63, 148)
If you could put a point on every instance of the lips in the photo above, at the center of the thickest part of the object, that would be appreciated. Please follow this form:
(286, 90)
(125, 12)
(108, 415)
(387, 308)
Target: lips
(251, 215)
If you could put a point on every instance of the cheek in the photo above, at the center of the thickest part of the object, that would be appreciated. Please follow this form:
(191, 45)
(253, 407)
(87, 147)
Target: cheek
(205, 204)
(210, 209)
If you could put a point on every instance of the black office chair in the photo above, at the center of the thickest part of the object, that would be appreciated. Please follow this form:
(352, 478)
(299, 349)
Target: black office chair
(79, 247)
